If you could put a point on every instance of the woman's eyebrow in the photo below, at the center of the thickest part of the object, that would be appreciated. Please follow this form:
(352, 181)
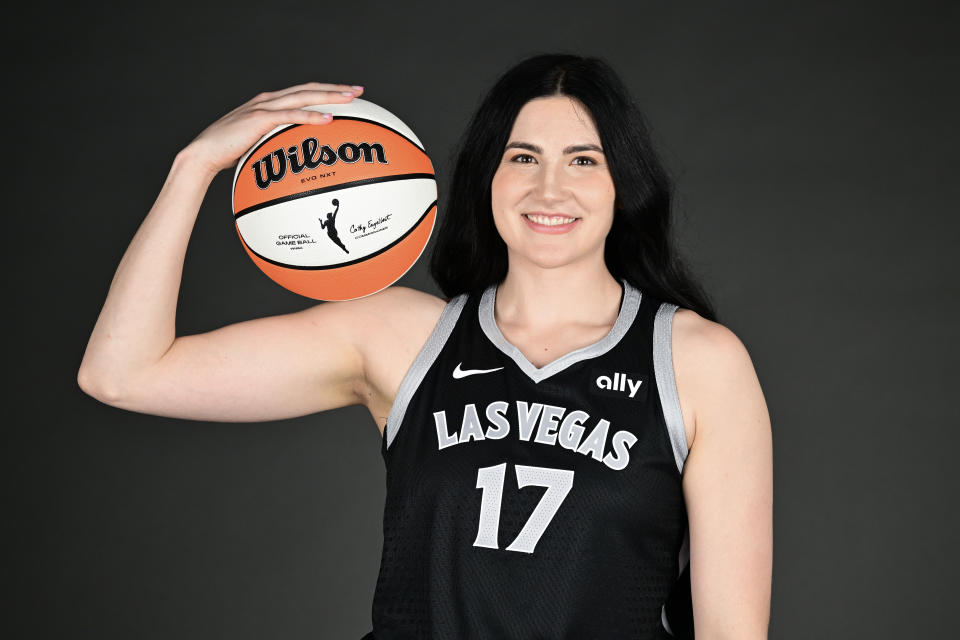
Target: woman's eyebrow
(577, 148)
(571, 149)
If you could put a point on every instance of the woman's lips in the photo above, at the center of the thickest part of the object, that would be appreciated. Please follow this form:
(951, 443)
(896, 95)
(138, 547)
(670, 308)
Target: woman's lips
(552, 228)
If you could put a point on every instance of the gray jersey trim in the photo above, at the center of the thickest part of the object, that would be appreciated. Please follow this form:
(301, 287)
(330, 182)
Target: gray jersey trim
(428, 354)
(683, 559)
(672, 415)
(666, 382)
(628, 312)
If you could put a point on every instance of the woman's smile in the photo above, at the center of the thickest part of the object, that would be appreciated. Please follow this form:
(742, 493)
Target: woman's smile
(545, 223)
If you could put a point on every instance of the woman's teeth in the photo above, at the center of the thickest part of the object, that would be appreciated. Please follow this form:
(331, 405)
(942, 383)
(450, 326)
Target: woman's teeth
(549, 220)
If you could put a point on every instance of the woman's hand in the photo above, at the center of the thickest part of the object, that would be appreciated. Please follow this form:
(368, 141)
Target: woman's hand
(221, 144)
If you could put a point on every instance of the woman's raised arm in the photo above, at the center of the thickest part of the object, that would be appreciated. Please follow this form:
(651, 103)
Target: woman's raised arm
(262, 369)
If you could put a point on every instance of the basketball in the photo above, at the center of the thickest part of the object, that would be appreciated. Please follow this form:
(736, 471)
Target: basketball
(336, 211)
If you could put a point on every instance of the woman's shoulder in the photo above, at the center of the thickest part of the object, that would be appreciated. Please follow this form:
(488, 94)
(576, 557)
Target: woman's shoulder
(384, 322)
(691, 326)
(711, 365)
(705, 341)
(391, 327)
(704, 350)
(398, 312)
(418, 307)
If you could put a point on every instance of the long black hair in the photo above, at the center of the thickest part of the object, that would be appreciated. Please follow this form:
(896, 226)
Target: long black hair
(469, 254)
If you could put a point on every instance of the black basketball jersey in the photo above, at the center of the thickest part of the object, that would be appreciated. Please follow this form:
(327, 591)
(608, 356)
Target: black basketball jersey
(536, 503)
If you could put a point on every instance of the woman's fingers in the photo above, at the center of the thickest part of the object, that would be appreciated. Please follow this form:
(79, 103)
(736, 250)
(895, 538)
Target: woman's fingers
(308, 97)
(295, 116)
(309, 86)
(315, 86)
(299, 96)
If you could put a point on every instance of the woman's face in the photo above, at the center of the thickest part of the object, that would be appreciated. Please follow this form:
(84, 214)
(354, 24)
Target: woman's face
(553, 169)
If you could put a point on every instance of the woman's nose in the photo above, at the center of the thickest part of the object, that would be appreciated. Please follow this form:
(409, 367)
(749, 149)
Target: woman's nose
(551, 183)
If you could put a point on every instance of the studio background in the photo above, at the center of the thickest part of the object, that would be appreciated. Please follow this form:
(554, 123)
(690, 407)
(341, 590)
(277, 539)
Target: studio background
(814, 148)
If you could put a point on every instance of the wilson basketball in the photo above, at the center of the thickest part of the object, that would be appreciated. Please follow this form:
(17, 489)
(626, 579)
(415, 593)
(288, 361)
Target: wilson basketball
(340, 210)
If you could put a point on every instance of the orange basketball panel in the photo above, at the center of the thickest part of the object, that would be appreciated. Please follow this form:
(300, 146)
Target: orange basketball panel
(402, 156)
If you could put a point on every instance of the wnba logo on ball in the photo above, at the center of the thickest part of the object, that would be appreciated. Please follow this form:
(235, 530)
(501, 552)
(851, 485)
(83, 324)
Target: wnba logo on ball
(330, 225)
(310, 155)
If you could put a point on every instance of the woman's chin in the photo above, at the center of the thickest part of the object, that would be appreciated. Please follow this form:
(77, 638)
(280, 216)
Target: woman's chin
(545, 257)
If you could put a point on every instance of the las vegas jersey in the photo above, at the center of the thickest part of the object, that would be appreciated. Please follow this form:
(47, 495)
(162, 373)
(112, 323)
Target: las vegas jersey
(530, 502)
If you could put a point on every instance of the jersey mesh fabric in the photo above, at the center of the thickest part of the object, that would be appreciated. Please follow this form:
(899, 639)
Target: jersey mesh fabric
(546, 531)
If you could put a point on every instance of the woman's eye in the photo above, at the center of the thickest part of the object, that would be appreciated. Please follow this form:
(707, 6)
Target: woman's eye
(588, 160)
(522, 158)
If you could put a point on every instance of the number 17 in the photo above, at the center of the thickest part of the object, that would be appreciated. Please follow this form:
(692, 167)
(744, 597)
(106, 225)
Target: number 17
(558, 483)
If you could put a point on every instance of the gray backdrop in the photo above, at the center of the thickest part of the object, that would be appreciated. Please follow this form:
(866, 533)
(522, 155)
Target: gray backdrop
(814, 148)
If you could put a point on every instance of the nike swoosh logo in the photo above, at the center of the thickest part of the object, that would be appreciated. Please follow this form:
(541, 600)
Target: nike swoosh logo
(463, 373)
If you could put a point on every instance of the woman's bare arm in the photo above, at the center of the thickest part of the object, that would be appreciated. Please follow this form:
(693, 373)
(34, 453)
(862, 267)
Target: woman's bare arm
(266, 368)
(331, 355)
(727, 481)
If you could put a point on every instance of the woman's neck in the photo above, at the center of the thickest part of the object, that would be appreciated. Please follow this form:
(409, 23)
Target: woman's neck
(534, 297)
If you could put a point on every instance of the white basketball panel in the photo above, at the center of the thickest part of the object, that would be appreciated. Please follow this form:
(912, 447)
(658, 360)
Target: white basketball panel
(370, 217)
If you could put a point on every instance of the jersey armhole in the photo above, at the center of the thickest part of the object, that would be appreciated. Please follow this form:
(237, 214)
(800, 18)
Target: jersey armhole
(666, 381)
(415, 374)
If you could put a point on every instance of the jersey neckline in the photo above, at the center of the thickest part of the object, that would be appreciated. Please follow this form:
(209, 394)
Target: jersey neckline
(629, 305)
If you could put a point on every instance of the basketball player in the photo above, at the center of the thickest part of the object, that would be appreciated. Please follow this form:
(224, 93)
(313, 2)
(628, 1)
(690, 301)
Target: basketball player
(330, 225)
(574, 447)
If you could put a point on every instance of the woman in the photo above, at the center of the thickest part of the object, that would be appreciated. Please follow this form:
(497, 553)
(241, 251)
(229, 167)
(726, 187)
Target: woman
(574, 447)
